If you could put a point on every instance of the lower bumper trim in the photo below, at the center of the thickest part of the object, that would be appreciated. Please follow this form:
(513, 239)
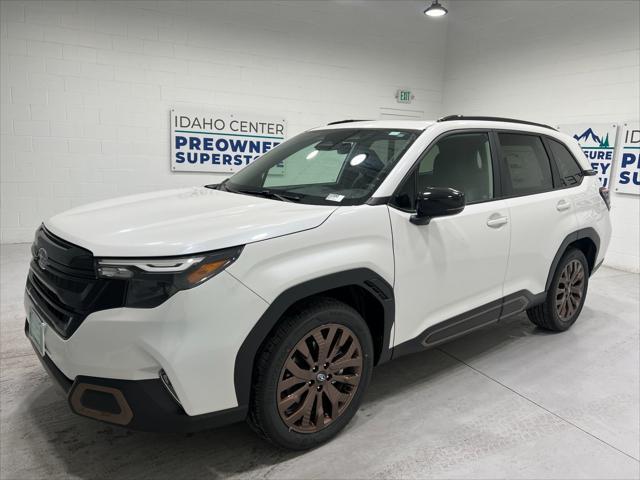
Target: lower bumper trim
(102, 403)
(143, 405)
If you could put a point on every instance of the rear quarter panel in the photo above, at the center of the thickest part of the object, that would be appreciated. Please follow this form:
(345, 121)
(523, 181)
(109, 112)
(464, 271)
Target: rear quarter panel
(591, 211)
(589, 206)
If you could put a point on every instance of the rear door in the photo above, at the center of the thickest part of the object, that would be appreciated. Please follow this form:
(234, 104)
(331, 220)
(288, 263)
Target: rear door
(542, 214)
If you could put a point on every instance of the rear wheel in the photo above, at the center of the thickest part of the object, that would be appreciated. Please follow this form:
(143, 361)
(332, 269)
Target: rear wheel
(566, 294)
(311, 375)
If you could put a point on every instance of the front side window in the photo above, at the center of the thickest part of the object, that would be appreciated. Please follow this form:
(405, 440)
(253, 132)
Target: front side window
(568, 168)
(341, 166)
(527, 164)
(461, 161)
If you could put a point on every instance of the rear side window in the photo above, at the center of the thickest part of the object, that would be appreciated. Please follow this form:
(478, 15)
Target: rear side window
(568, 169)
(527, 164)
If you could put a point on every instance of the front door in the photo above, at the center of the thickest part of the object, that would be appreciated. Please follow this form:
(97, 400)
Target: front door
(455, 264)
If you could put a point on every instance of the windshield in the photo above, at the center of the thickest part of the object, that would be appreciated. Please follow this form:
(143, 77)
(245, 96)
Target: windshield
(328, 167)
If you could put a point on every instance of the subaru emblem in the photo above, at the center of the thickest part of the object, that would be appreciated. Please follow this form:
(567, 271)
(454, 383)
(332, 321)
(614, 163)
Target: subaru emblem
(43, 259)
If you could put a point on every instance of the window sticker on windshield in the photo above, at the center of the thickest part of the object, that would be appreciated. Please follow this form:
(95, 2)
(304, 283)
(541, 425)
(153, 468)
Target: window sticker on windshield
(334, 197)
(396, 134)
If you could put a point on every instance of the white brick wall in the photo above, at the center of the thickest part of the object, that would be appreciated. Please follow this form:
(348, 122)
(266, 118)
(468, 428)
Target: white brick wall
(554, 62)
(86, 87)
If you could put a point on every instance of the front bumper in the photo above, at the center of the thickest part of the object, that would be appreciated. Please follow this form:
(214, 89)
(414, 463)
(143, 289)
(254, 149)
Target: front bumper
(193, 337)
(144, 405)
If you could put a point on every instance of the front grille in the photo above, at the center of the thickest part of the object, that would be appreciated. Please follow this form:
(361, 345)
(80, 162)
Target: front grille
(67, 289)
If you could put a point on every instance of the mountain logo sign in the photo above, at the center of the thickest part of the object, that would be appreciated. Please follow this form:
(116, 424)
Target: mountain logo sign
(598, 145)
(589, 136)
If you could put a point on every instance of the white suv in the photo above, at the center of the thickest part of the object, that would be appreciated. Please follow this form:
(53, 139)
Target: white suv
(272, 295)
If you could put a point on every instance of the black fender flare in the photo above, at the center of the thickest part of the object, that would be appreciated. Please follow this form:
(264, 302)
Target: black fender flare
(362, 277)
(588, 232)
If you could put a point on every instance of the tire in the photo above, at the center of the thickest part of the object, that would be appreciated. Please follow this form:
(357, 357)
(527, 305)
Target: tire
(279, 396)
(562, 306)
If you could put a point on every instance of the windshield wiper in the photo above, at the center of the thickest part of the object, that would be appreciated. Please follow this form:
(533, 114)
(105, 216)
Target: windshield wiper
(283, 197)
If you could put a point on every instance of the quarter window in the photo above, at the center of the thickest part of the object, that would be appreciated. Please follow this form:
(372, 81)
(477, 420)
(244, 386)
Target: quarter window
(461, 161)
(568, 169)
(527, 164)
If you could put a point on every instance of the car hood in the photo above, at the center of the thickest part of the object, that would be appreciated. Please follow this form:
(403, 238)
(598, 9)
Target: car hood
(182, 221)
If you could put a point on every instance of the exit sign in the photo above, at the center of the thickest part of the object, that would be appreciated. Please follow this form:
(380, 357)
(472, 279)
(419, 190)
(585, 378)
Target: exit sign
(404, 96)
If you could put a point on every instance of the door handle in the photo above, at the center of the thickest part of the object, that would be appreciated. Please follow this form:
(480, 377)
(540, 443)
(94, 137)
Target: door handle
(563, 205)
(496, 222)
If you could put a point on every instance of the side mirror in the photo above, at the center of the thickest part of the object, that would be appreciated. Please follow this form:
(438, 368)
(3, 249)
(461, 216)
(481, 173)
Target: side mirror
(437, 202)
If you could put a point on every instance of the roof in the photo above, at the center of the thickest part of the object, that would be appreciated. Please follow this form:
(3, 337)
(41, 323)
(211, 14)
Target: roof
(470, 121)
(399, 124)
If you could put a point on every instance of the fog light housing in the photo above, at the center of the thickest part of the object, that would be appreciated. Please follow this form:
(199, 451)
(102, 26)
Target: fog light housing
(164, 378)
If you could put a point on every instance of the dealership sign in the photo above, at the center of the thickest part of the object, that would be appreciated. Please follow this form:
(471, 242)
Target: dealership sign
(628, 160)
(221, 141)
(598, 144)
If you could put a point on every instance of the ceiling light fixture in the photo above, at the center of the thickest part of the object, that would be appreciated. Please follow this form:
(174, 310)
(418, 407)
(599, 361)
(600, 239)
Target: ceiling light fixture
(436, 10)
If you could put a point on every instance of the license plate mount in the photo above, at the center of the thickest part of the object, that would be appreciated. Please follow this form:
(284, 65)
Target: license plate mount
(37, 331)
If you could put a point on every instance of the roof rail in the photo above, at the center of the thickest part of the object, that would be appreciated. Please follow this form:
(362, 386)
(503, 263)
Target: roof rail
(493, 119)
(347, 121)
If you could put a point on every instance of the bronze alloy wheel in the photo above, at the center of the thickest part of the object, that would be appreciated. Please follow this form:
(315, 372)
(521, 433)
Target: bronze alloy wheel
(570, 289)
(319, 378)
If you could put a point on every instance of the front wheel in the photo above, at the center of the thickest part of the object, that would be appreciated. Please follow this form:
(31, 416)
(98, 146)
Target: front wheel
(311, 375)
(566, 294)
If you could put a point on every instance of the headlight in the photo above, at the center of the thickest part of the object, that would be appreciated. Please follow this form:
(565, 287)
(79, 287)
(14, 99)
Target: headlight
(151, 281)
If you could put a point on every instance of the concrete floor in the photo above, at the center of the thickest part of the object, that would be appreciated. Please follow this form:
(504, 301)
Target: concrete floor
(509, 401)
